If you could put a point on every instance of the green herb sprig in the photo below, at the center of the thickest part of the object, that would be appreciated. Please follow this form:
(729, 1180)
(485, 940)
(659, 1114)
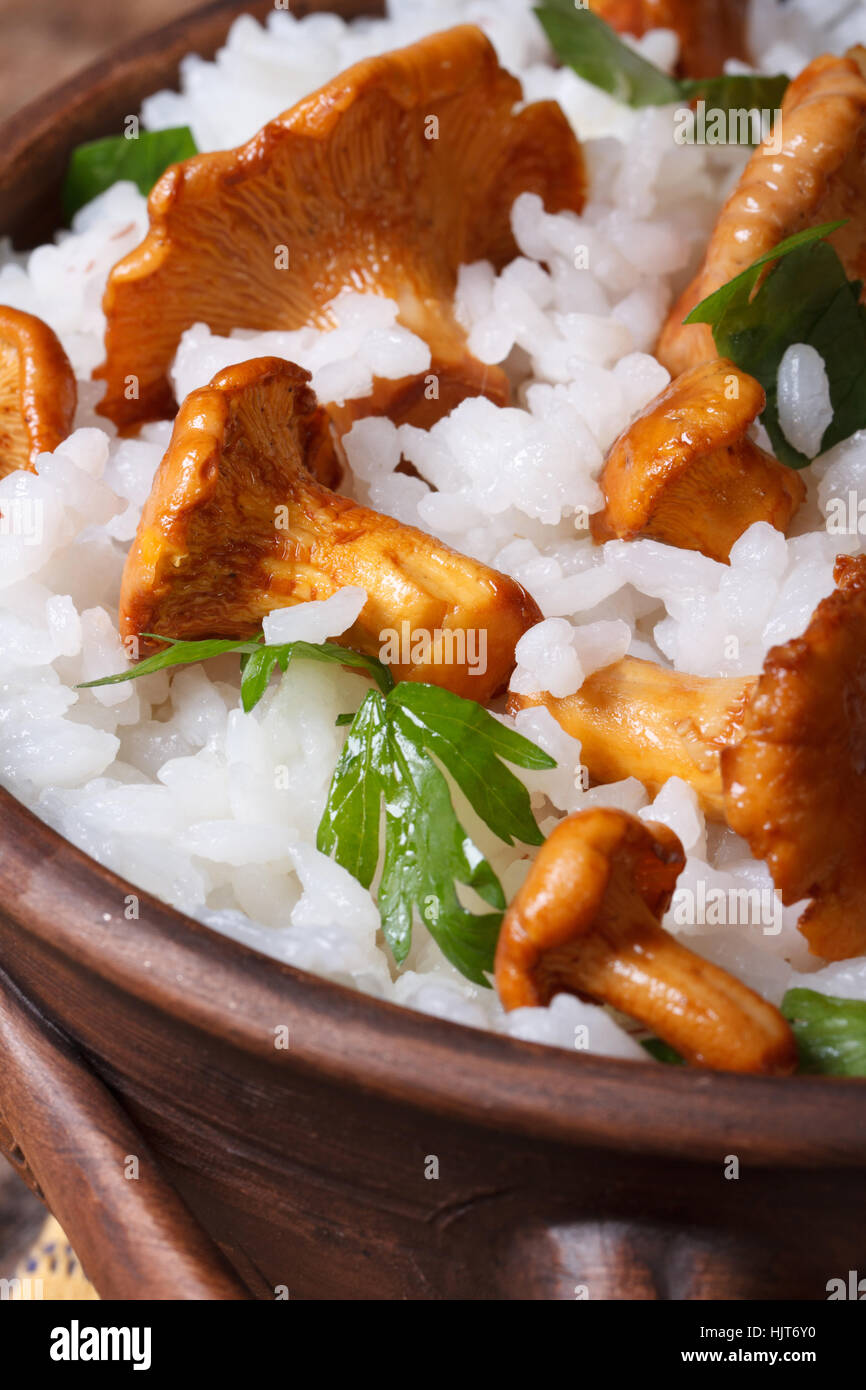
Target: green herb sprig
(258, 661)
(390, 763)
(595, 51)
(806, 297)
(94, 167)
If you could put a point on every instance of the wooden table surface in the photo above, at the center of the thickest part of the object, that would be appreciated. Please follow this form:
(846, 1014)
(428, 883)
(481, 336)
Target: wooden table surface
(21, 1216)
(42, 42)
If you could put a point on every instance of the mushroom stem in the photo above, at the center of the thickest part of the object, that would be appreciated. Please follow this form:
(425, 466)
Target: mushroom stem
(631, 963)
(636, 719)
(587, 922)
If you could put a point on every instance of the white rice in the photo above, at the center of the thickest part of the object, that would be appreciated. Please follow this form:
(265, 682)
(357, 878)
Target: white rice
(803, 395)
(167, 781)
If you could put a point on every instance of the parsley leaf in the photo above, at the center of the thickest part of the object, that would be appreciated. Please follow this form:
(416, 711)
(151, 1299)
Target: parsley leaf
(258, 661)
(427, 852)
(175, 654)
(663, 1052)
(97, 165)
(387, 766)
(262, 662)
(595, 51)
(387, 763)
(830, 1032)
(586, 43)
(741, 287)
(350, 824)
(471, 744)
(805, 298)
(735, 92)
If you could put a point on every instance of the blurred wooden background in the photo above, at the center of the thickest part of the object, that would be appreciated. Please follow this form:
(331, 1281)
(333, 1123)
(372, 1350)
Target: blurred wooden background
(42, 42)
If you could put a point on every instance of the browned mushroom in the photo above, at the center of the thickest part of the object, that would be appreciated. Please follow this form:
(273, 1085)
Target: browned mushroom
(818, 175)
(781, 757)
(686, 472)
(37, 391)
(795, 781)
(710, 31)
(386, 180)
(587, 921)
(635, 718)
(236, 525)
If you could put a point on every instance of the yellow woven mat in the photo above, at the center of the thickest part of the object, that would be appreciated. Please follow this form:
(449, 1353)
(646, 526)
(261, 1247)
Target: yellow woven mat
(51, 1269)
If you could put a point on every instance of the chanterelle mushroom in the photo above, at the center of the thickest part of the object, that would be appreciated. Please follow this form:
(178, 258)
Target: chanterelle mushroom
(710, 31)
(387, 179)
(237, 525)
(817, 176)
(686, 472)
(782, 757)
(37, 391)
(795, 782)
(587, 922)
(635, 718)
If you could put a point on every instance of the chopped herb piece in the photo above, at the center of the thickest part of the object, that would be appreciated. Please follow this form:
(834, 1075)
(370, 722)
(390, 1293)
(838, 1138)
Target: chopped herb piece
(805, 297)
(662, 1051)
(711, 309)
(262, 663)
(830, 1032)
(94, 167)
(735, 92)
(389, 761)
(258, 661)
(175, 654)
(595, 51)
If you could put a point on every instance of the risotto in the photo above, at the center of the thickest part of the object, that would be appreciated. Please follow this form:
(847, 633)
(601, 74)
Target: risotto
(216, 805)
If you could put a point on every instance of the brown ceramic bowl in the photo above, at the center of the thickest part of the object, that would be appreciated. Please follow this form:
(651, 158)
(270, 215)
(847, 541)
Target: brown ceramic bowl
(306, 1170)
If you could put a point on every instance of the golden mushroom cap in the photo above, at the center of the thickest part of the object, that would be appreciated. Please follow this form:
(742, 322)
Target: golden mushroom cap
(237, 525)
(38, 394)
(198, 564)
(386, 180)
(686, 473)
(795, 784)
(817, 176)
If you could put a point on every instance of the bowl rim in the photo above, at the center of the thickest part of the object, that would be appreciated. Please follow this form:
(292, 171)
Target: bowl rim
(178, 965)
